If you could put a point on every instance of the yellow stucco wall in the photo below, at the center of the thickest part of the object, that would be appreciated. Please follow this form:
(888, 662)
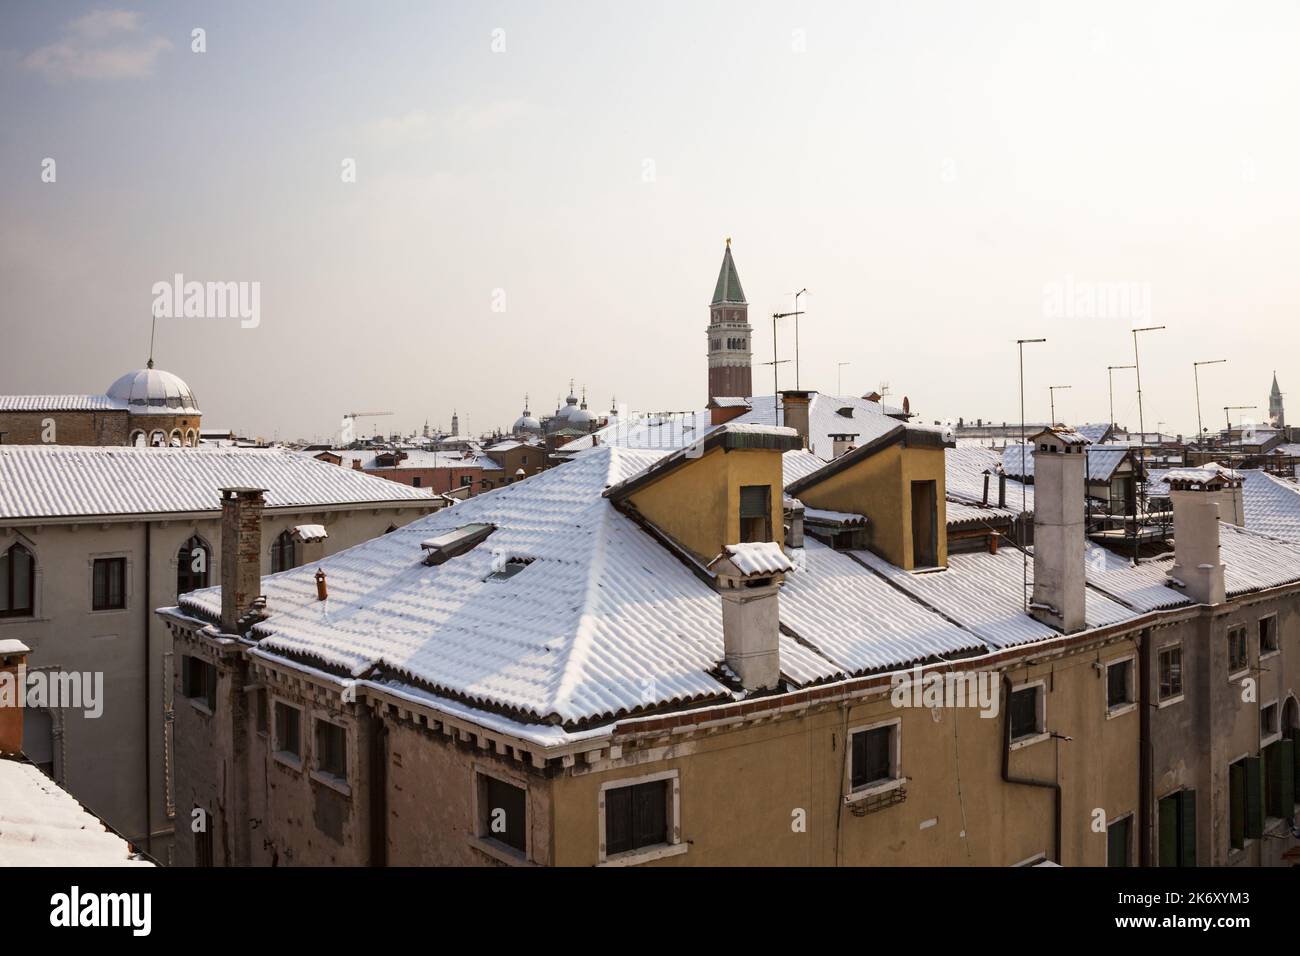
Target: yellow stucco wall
(698, 503)
(743, 792)
(880, 488)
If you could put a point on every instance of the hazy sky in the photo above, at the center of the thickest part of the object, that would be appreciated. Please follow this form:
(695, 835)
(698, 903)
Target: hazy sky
(944, 178)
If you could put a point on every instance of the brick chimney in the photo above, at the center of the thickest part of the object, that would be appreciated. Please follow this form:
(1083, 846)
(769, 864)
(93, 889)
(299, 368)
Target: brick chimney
(241, 553)
(748, 577)
(796, 404)
(13, 694)
(1197, 495)
(1059, 580)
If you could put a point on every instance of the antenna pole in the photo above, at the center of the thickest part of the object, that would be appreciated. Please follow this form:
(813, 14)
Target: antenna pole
(1024, 507)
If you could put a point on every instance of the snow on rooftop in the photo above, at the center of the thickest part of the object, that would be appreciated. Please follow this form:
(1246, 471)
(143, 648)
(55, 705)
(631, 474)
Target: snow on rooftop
(43, 825)
(311, 532)
(1102, 460)
(829, 415)
(60, 403)
(1199, 475)
(757, 557)
(52, 481)
(823, 516)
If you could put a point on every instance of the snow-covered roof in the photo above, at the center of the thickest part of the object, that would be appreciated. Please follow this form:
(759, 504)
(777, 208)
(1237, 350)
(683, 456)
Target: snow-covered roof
(1103, 460)
(57, 481)
(839, 518)
(414, 458)
(830, 415)
(43, 825)
(665, 431)
(1271, 505)
(1199, 475)
(311, 532)
(604, 620)
(59, 403)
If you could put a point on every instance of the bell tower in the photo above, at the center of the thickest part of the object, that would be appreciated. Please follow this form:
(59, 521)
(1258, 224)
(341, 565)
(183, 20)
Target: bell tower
(730, 335)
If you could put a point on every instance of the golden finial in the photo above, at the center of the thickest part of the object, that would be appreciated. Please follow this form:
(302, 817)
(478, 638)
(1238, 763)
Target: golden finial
(728, 242)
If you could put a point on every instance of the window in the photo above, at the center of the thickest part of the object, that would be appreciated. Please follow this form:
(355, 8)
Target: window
(925, 524)
(1119, 684)
(192, 566)
(636, 816)
(17, 582)
(468, 480)
(1177, 823)
(202, 837)
(288, 730)
(1268, 722)
(755, 513)
(1238, 656)
(1171, 671)
(415, 481)
(1268, 635)
(284, 552)
(260, 710)
(1119, 842)
(1027, 712)
(503, 813)
(109, 576)
(871, 757)
(331, 749)
(199, 681)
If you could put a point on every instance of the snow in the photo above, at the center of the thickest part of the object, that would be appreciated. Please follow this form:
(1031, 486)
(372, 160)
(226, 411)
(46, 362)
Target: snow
(1200, 475)
(61, 481)
(822, 516)
(758, 557)
(11, 645)
(311, 532)
(42, 825)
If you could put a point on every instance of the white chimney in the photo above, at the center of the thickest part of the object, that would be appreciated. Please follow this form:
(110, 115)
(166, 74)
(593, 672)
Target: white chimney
(748, 578)
(1059, 579)
(842, 444)
(1198, 495)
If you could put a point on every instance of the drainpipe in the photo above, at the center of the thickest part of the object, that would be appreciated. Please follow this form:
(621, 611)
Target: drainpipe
(148, 685)
(1144, 742)
(1023, 781)
(378, 791)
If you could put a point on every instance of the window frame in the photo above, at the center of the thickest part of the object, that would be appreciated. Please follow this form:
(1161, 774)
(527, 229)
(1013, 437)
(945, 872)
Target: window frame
(1276, 733)
(1272, 621)
(481, 835)
(1243, 669)
(287, 757)
(188, 550)
(1128, 819)
(672, 822)
(10, 552)
(285, 539)
(206, 701)
(107, 561)
(873, 788)
(1041, 732)
(1129, 703)
(1173, 698)
(743, 517)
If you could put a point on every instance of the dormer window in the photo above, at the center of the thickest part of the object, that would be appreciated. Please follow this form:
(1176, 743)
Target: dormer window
(755, 513)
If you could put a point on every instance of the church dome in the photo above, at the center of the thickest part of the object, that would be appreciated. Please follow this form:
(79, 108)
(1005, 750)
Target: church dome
(570, 407)
(151, 391)
(581, 416)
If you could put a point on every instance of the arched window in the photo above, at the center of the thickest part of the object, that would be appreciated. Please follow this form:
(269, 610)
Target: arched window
(176, 438)
(192, 562)
(138, 439)
(284, 552)
(158, 439)
(191, 439)
(17, 582)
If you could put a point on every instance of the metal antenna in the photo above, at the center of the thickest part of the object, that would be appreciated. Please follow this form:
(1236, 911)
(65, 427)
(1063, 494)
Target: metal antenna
(153, 328)
(1196, 378)
(1051, 393)
(1110, 375)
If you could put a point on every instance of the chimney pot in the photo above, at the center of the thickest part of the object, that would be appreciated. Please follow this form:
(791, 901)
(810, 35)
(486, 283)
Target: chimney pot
(13, 660)
(321, 592)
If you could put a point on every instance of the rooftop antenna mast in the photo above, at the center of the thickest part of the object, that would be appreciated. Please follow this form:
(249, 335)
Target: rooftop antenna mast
(1110, 376)
(1051, 394)
(153, 328)
(1024, 507)
(1196, 378)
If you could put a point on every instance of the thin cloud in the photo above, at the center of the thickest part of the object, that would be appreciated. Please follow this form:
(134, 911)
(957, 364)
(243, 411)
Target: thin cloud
(101, 45)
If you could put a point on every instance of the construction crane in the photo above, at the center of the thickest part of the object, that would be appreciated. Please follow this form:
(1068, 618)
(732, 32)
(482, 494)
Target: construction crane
(346, 434)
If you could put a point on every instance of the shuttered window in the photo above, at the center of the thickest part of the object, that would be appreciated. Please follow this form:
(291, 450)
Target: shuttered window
(109, 584)
(755, 513)
(1177, 826)
(1119, 841)
(503, 814)
(636, 816)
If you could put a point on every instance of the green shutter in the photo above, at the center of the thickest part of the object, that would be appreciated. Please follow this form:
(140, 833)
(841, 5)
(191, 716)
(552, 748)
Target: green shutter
(1187, 827)
(1281, 780)
(1295, 758)
(1168, 810)
(1254, 798)
(1237, 802)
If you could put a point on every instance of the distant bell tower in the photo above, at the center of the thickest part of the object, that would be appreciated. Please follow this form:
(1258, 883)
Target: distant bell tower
(729, 335)
(1275, 412)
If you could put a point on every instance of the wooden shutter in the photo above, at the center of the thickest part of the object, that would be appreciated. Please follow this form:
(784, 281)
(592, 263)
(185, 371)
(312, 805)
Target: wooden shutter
(1237, 802)
(649, 814)
(1281, 778)
(210, 685)
(1254, 798)
(1186, 827)
(1168, 810)
(618, 820)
